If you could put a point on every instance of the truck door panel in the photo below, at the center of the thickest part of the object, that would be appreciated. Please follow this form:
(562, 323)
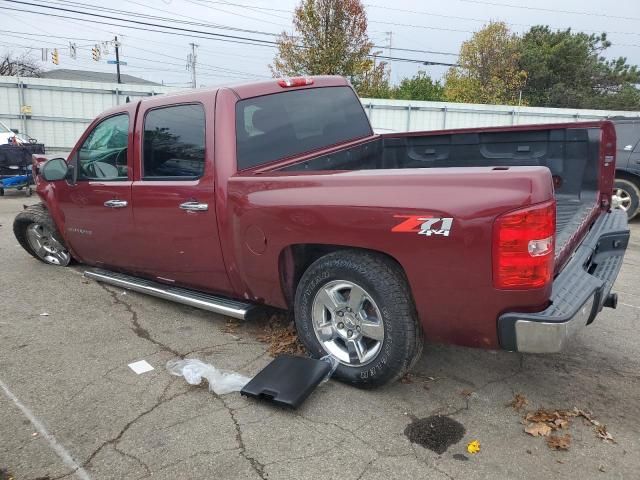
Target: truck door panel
(176, 239)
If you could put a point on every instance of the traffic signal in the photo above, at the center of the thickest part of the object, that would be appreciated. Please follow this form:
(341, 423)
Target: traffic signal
(95, 53)
(54, 57)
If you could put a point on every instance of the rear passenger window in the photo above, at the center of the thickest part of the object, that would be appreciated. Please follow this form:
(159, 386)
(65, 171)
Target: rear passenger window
(276, 126)
(173, 143)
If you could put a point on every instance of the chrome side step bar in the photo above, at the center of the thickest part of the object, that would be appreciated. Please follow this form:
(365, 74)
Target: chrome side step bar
(221, 305)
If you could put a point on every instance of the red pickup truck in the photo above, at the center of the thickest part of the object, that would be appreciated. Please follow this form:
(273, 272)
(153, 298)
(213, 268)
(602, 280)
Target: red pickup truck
(278, 194)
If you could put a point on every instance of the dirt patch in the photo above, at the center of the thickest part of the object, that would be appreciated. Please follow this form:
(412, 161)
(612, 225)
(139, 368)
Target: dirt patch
(436, 432)
(460, 457)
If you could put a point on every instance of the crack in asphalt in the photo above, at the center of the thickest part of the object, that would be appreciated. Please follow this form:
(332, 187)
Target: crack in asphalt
(255, 464)
(138, 329)
(162, 399)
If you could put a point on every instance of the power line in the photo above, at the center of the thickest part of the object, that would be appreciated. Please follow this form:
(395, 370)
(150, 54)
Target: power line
(209, 25)
(68, 3)
(552, 10)
(481, 20)
(185, 31)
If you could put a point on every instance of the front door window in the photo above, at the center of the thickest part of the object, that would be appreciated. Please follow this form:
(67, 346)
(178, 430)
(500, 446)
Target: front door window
(103, 155)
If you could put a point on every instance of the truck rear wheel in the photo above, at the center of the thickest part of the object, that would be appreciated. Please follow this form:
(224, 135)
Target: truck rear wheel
(37, 234)
(356, 306)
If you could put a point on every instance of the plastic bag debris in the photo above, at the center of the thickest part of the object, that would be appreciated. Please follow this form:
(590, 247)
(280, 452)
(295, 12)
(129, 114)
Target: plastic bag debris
(334, 364)
(194, 370)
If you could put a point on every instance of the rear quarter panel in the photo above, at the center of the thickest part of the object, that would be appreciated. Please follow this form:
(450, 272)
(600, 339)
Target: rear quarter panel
(450, 276)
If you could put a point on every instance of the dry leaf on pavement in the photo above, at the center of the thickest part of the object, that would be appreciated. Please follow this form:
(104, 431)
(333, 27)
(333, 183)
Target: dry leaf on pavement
(519, 402)
(539, 429)
(557, 442)
(281, 335)
(601, 432)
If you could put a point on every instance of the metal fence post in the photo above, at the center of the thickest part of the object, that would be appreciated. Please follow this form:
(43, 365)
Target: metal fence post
(23, 117)
(444, 118)
(408, 117)
(117, 96)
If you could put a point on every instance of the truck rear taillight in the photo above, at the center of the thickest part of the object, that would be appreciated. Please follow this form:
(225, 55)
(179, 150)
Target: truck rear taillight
(295, 82)
(523, 247)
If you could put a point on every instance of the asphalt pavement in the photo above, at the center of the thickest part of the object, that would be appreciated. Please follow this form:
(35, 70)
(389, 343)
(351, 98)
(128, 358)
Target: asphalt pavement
(71, 407)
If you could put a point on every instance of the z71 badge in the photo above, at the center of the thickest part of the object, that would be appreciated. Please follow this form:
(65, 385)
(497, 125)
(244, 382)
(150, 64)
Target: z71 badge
(424, 225)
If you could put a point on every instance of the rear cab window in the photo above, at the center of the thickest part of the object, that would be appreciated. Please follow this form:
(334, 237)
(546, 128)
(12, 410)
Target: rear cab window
(281, 125)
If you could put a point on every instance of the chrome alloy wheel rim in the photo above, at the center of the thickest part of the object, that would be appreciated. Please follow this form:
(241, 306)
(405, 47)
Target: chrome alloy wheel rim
(621, 199)
(347, 322)
(47, 248)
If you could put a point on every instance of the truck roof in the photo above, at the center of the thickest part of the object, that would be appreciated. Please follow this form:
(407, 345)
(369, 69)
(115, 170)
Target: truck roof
(241, 89)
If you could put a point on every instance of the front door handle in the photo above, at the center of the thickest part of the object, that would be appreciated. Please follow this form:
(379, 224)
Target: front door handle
(116, 203)
(194, 206)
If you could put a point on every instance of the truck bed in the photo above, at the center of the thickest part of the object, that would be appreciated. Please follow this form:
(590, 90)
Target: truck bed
(571, 153)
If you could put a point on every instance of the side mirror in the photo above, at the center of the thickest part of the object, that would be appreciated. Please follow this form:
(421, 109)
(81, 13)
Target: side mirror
(54, 170)
(15, 130)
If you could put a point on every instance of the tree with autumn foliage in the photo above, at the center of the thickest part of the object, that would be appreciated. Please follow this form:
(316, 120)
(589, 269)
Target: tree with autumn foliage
(330, 38)
(489, 70)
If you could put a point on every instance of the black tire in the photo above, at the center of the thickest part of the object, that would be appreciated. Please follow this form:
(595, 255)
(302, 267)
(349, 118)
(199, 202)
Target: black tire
(1, 192)
(36, 214)
(633, 191)
(385, 281)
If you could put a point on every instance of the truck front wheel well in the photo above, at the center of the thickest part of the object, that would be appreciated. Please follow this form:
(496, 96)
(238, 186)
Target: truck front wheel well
(294, 260)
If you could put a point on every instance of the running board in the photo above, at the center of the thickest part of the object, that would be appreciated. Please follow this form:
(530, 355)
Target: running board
(204, 301)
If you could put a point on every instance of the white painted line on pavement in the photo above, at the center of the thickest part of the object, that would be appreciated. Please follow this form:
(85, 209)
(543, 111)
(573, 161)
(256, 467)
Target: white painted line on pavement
(628, 305)
(65, 456)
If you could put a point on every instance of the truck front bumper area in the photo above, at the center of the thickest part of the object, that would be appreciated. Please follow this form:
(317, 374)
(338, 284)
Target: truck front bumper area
(579, 292)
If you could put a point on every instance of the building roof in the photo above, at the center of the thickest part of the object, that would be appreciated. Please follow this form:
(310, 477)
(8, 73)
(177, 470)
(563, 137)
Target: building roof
(90, 76)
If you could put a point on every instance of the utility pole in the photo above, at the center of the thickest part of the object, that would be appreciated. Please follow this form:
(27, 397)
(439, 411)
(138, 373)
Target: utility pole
(388, 38)
(191, 64)
(117, 45)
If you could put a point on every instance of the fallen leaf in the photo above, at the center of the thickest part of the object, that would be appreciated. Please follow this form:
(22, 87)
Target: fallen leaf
(602, 433)
(34, 434)
(281, 336)
(406, 379)
(561, 423)
(473, 447)
(557, 442)
(539, 429)
(601, 468)
(519, 402)
(466, 392)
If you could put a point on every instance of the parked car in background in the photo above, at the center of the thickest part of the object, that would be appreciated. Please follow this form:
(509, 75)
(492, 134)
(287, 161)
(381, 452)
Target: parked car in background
(279, 194)
(626, 192)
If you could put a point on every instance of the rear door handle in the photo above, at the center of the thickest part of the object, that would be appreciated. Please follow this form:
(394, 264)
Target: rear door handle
(194, 206)
(116, 203)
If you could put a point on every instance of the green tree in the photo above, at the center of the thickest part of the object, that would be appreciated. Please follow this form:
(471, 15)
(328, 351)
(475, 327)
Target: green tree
(419, 87)
(567, 69)
(489, 69)
(330, 38)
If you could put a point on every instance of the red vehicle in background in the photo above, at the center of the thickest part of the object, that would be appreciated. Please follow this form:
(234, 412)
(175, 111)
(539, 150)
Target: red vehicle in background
(278, 194)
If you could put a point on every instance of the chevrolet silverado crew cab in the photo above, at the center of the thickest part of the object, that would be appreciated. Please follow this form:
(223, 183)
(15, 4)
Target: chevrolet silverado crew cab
(279, 195)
